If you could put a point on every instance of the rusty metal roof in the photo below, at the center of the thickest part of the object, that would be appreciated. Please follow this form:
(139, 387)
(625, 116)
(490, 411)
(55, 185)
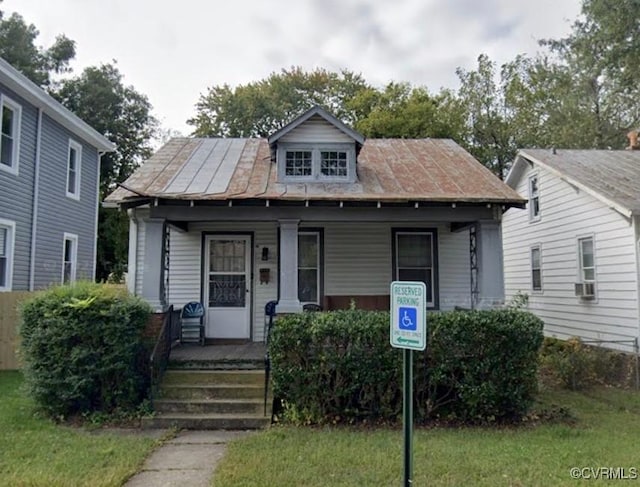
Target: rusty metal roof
(389, 170)
(609, 175)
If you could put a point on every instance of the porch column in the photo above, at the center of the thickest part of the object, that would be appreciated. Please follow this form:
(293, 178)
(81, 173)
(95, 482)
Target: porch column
(152, 275)
(490, 264)
(288, 279)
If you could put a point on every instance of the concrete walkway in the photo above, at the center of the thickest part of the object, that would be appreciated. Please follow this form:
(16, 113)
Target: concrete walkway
(188, 460)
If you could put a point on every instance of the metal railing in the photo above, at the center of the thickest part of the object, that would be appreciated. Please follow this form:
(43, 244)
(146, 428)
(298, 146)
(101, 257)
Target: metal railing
(160, 355)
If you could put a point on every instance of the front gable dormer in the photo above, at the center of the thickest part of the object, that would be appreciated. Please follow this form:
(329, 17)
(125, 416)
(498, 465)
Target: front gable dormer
(316, 147)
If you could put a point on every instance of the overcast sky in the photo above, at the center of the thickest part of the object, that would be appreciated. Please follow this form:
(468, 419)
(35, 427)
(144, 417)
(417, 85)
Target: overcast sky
(172, 51)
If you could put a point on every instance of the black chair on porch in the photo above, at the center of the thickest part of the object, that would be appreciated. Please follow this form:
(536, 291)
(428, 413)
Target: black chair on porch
(192, 323)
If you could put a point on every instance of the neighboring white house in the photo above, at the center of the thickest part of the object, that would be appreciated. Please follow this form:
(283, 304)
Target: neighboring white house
(313, 214)
(574, 249)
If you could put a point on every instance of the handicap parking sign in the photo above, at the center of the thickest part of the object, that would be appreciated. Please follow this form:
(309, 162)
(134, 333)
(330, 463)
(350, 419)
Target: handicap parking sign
(407, 318)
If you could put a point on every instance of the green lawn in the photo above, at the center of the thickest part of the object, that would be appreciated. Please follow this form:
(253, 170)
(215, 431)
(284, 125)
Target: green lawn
(606, 434)
(36, 452)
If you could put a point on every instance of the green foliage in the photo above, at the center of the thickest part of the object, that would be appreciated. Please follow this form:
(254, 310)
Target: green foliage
(339, 367)
(574, 365)
(18, 47)
(82, 349)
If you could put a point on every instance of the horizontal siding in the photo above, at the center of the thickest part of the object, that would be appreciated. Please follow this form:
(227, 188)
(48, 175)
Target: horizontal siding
(566, 215)
(314, 130)
(185, 266)
(57, 213)
(16, 192)
(358, 260)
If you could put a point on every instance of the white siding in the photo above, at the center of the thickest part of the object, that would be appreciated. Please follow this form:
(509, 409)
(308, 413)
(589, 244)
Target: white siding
(140, 214)
(316, 129)
(185, 265)
(565, 215)
(358, 261)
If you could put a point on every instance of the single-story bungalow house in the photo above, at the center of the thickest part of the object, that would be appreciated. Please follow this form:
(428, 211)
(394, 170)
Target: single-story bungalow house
(312, 214)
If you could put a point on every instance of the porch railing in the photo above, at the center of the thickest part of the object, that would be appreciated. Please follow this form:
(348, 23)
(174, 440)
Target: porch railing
(160, 355)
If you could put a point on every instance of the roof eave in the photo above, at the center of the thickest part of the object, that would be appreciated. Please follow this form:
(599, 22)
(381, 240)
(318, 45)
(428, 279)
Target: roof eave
(35, 95)
(626, 212)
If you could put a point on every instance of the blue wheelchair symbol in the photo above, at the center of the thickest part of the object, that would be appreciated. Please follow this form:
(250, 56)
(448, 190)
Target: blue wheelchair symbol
(408, 319)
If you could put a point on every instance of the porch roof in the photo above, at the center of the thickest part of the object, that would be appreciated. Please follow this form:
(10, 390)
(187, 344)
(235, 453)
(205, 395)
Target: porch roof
(389, 170)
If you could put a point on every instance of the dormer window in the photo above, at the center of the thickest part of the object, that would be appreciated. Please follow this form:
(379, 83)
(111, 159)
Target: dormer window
(316, 147)
(308, 163)
(298, 163)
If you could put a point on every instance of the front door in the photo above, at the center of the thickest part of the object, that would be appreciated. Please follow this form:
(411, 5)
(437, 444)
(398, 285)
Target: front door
(227, 283)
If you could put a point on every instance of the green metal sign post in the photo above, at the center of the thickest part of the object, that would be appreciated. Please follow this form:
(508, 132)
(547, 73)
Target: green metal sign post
(408, 330)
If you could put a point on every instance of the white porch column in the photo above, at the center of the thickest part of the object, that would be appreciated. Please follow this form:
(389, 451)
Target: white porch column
(288, 279)
(490, 264)
(153, 263)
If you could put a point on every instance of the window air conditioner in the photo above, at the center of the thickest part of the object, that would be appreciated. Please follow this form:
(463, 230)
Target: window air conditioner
(586, 290)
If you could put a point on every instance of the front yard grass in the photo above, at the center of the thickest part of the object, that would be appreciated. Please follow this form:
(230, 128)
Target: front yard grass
(37, 452)
(605, 434)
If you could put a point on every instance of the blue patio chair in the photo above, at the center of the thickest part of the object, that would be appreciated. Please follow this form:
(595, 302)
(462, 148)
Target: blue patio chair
(192, 323)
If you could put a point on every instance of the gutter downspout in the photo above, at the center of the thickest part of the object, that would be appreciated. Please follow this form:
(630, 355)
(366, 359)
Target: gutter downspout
(132, 264)
(95, 230)
(34, 212)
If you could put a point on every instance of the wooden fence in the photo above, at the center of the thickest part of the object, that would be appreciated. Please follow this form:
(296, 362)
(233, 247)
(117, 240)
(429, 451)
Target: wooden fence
(8, 328)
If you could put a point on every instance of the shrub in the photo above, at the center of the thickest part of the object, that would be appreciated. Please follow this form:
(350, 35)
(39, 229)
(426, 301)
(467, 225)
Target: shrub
(575, 365)
(82, 349)
(339, 366)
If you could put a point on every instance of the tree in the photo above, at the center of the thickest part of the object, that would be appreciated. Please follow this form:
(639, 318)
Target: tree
(18, 48)
(100, 97)
(260, 108)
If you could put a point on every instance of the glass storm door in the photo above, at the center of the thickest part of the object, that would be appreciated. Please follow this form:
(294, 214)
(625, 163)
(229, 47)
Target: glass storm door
(227, 283)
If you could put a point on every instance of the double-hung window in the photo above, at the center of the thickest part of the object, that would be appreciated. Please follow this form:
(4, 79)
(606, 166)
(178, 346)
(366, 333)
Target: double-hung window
(309, 270)
(534, 198)
(415, 259)
(536, 269)
(69, 258)
(7, 239)
(74, 163)
(587, 262)
(10, 114)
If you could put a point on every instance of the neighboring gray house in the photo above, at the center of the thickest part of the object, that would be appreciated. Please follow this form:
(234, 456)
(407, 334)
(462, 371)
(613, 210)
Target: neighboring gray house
(313, 214)
(575, 249)
(49, 180)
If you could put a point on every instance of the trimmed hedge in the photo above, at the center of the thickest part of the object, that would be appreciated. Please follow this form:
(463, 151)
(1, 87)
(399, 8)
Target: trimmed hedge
(479, 366)
(82, 349)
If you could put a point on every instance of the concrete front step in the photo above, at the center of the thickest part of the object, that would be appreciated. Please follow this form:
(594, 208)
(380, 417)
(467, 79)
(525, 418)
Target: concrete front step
(213, 377)
(196, 364)
(207, 421)
(210, 406)
(213, 391)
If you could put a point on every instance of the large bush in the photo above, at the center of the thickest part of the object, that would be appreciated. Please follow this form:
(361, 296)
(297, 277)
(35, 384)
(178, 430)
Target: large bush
(82, 349)
(339, 366)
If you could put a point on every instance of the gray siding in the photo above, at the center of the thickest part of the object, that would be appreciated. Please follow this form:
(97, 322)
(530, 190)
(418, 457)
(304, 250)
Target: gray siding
(57, 213)
(567, 214)
(16, 192)
(316, 129)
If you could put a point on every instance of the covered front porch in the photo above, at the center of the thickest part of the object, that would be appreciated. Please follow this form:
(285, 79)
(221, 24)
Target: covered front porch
(236, 258)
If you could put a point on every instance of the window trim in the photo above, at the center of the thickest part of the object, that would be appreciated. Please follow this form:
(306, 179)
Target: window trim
(71, 237)
(581, 278)
(78, 148)
(17, 110)
(435, 272)
(316, 162)
(532, 196)
(537, 247)
(319, 232)
(11, 238)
